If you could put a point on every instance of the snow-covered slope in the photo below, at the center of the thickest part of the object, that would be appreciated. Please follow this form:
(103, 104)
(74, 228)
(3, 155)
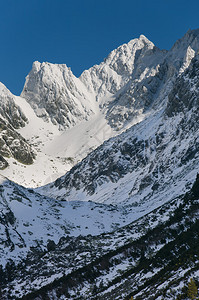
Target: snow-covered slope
(61, 228)
(154, 256)
(30, 220)
(141, 166)
(56, 151)
(36, 133)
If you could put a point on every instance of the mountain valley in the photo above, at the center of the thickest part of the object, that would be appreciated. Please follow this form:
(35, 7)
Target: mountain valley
(99, 183)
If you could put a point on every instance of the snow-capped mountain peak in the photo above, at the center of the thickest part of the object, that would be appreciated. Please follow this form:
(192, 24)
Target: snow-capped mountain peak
(57, 95)
(127, 154)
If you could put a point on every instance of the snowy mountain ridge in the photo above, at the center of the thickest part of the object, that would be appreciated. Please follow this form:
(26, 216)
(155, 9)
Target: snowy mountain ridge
(79, 114)
(112, 74)
(122, 143)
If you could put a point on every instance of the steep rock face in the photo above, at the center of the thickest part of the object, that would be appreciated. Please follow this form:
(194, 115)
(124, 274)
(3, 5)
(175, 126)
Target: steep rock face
(186, 43)
(9, 110)
(57, 95)
(185, 94)
(12, 144)
(3, 163)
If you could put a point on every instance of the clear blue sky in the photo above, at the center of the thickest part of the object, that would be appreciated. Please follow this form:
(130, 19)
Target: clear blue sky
(81, 33)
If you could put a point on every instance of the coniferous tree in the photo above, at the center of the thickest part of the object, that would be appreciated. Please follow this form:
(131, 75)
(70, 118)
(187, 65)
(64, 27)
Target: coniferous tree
(192, 289)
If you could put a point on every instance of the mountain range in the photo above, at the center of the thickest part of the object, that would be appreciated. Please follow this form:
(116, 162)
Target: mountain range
(99, 183)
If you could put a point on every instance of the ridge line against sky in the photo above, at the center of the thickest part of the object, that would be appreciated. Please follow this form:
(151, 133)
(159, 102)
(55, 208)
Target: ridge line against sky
(81, 33)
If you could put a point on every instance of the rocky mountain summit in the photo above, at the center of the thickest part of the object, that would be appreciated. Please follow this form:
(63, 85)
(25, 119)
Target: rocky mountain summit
(56, 94)
(127, 83)
(120, 217)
